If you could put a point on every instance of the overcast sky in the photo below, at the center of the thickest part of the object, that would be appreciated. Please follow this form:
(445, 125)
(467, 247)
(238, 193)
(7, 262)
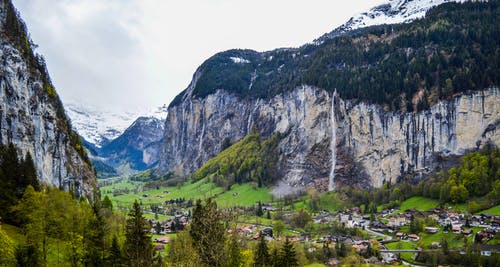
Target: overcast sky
(131, 54)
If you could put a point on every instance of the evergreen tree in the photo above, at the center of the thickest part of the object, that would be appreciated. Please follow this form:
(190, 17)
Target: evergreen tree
(158, 228)
(259, 211)
(115, 258)
(234, 253)
(274, 257)
(261, 256)
(287, 255)
(94, 238)
(106, 203)
(207, 233)
(138, 247)
(29, 172)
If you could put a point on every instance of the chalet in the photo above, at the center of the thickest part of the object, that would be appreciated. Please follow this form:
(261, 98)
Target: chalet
(431, 230)
(360, 247)
(488, 250)
(163, 239)
(435, 245)
(495, 223)
(467, 232)
(376, 225)
(397, 221)
(401, 235)
(457, 229)
(413, 237)
(476, 220)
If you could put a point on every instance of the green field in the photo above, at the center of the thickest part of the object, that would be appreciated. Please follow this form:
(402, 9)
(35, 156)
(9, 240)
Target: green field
(419, 203)
(239, 195)
(243, 195)
(494, 210)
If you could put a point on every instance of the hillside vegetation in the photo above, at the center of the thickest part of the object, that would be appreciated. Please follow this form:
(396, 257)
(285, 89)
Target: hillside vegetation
(473, 185)
(249, 160)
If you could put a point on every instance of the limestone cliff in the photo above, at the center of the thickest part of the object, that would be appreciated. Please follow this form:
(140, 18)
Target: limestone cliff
(372, 146)
(405, 94)
(31, 114)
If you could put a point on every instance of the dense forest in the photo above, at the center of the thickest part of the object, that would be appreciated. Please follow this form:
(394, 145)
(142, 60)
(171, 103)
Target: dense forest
(15, 175)
(455, 48)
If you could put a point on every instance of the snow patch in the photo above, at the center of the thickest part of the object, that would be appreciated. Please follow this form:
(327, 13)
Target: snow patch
(99, 126)
(239, 60)
(392, 12)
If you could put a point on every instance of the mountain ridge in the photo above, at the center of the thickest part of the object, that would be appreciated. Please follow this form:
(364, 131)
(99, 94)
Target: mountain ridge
(403, 95)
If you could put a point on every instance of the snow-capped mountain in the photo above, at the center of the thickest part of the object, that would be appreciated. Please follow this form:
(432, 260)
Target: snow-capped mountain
(99, 127)
(392, 12)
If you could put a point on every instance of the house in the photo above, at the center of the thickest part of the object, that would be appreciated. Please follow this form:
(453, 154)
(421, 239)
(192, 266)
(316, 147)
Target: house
(431, 230)
(488, 250)
(435, 245)
(457, 229)
(163, 239)
(397, 221)
(376, 225)
(401, 235)
(467, 232)
(413, 237)
(360, 247)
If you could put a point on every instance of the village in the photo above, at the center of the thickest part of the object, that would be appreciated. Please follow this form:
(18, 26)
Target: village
(385, 238)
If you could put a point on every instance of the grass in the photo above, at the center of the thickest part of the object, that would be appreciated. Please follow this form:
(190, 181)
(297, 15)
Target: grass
(239, 195)
(407, 256)
(243, 195)
(200, 189)
(493, 210)
(419, 203)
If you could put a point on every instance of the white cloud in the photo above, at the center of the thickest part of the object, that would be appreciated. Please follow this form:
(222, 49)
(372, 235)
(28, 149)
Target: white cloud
(125, 54)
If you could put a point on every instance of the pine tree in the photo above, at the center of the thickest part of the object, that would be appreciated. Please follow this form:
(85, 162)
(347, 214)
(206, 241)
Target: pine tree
(29, 172)
(261, 257)
(115, 258)
(234, 252)
(274, 257)
(94, 238)
(287, 255)
(138, 247)
(259, 211)
(106, 203)
(158, 228)
(207, 233)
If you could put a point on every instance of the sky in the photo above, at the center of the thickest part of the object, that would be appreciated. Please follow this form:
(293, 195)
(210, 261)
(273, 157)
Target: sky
(125, 55)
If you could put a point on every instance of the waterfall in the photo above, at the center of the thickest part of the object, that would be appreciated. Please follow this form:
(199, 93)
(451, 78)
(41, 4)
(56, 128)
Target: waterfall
(333, 146)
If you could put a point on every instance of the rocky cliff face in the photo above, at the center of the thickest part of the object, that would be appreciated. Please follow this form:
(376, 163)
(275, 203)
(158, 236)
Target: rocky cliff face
(385, 75)
(372, 145)
(31, 115)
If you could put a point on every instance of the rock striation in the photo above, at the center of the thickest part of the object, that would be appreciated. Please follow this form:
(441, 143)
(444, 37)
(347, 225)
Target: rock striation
(31, 114)
(373, 145)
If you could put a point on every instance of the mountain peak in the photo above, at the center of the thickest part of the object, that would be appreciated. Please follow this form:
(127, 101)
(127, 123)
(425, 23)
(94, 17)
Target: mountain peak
(391, 12)
(99, 126)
